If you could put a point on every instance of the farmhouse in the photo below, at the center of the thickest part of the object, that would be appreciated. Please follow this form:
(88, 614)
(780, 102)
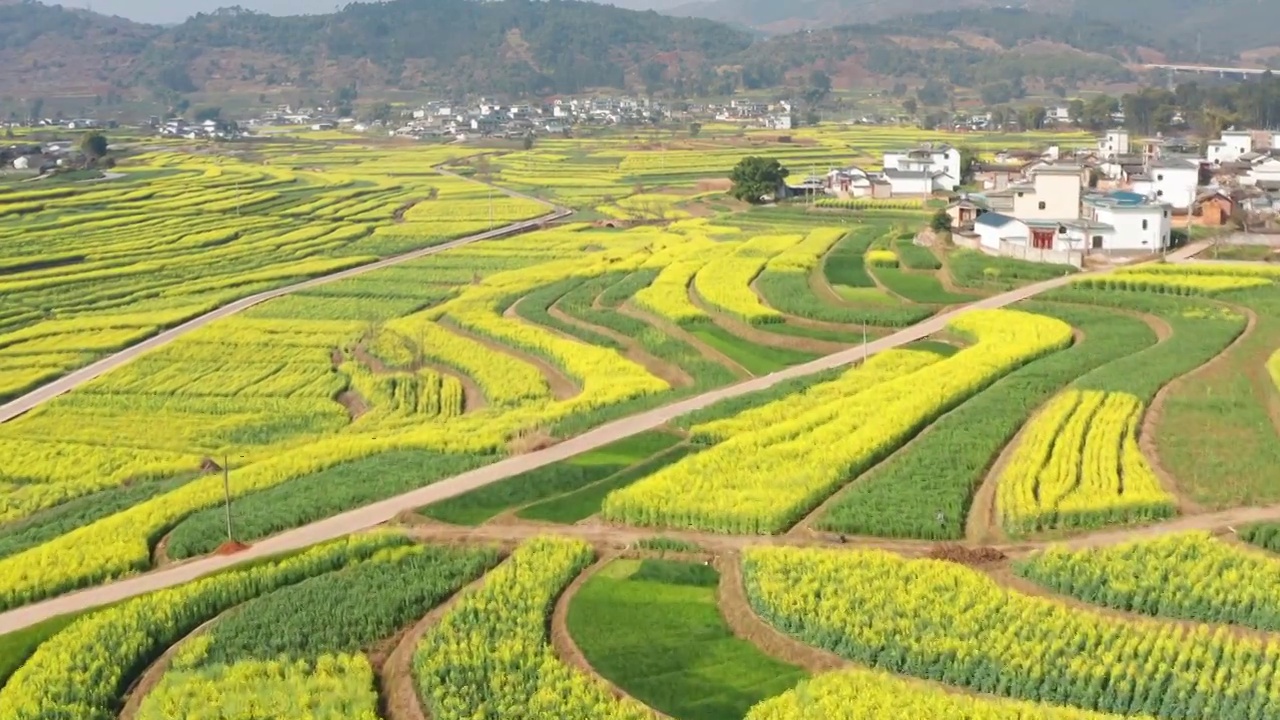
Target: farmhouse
(1173, 182)
(941, 162)
(965, 211)
(995, 229)
(1123, 221)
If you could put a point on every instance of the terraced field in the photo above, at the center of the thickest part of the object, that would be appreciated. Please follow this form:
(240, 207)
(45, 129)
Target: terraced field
(745, 465)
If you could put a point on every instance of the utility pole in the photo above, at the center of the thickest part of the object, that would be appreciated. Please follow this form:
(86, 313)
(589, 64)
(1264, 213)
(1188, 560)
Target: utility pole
(864, 342)
(226, 491)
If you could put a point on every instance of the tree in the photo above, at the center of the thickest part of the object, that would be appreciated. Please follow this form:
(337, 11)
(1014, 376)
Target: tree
(527, 142)
(940, 222)
(755, 177)
(910, 106)
(819, 87)
(207, 113)
(933, 93)
(694, 129)
(37, 106)
(93, 145)
(968, 157)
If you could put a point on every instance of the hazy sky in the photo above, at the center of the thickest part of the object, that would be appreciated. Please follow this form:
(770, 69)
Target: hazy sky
(172, 11)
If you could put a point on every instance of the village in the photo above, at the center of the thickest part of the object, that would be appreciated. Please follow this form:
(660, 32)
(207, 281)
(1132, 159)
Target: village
(1122, 197)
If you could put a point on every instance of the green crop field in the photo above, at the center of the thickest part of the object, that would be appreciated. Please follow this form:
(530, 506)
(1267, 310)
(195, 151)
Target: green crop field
(630, 462)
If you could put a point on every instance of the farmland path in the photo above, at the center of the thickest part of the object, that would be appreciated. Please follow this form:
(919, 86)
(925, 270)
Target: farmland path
(75, 379)
(386, 510)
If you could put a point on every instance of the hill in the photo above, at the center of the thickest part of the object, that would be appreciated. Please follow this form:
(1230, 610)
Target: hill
(530, 47)
(1183, 28)
(513, 46)
(1002, 52)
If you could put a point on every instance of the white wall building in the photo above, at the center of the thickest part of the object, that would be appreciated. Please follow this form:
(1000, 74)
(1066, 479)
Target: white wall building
(906, 183)
(1265, 172)
(1173, 182)
(941, 160)
(996, 228)
(1126, 221)
(1233, 144)
(1053, 195)
(1114, 144)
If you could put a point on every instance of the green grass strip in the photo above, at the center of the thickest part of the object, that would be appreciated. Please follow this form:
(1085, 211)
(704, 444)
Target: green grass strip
(916, 257)
(55, 522)
(585, 502)
(846, 264)
(317, 496)
(757, 359)
(653, 628)
(484, 503)
(923, 288)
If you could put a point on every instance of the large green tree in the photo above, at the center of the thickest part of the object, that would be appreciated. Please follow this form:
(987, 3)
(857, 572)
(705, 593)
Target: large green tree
(93, 145)
(755, 177)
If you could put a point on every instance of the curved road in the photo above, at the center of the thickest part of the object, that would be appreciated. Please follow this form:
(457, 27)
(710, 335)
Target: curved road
(385, 510)
(75, 379)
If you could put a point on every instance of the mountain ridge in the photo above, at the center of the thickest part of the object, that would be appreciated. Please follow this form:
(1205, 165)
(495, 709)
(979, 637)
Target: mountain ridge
(545, 47)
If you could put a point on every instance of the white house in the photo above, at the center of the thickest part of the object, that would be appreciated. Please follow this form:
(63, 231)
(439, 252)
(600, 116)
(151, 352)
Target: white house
(941, 160)
(1265, 173)
(1125, 221)
(1114, 144)
(22, 163)
(1233, 144)
(1053, 195)
(996, 228)
(911, 182)
(1173, 182)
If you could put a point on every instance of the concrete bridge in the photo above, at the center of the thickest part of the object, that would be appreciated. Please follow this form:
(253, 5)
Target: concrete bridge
(1208, 70)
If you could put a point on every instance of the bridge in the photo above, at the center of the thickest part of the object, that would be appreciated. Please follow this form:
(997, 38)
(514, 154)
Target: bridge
(1208, 69)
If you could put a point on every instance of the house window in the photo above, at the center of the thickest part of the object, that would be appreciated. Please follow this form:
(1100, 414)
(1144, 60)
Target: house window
(1097, 242)
(1042, 206)
(1144, 224)
(1166, 213)
(1159, 193)
(1159, 177)
(1019, 194)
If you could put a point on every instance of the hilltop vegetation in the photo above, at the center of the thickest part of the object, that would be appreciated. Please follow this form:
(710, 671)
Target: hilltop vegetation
(571, 46)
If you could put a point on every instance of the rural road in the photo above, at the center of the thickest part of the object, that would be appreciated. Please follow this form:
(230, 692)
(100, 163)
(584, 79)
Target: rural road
(75, 379)
(383, 511)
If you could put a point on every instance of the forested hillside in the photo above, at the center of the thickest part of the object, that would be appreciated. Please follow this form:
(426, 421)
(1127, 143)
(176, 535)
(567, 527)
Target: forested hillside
(524, 47)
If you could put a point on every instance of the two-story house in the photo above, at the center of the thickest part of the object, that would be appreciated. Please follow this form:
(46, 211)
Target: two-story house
(1119, 221)
(1231, 146)
(940, 162)
(1170, 181)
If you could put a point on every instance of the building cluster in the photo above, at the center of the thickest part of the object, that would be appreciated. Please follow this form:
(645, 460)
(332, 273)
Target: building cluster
(39, 157)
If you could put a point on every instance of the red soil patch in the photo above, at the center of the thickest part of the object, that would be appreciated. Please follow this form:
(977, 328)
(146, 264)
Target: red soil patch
(230, 547)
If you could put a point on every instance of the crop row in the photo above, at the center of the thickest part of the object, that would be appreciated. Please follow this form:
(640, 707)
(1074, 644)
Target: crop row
(763, 481)
(1171, 283)
(858, 694)
(489, 656)
(829, 396)
(1192, 576)
(941, 470)
(946, 622)
(1079, 465)
(84, 670)
(725, 282)
(785, 284)
(301, 645)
